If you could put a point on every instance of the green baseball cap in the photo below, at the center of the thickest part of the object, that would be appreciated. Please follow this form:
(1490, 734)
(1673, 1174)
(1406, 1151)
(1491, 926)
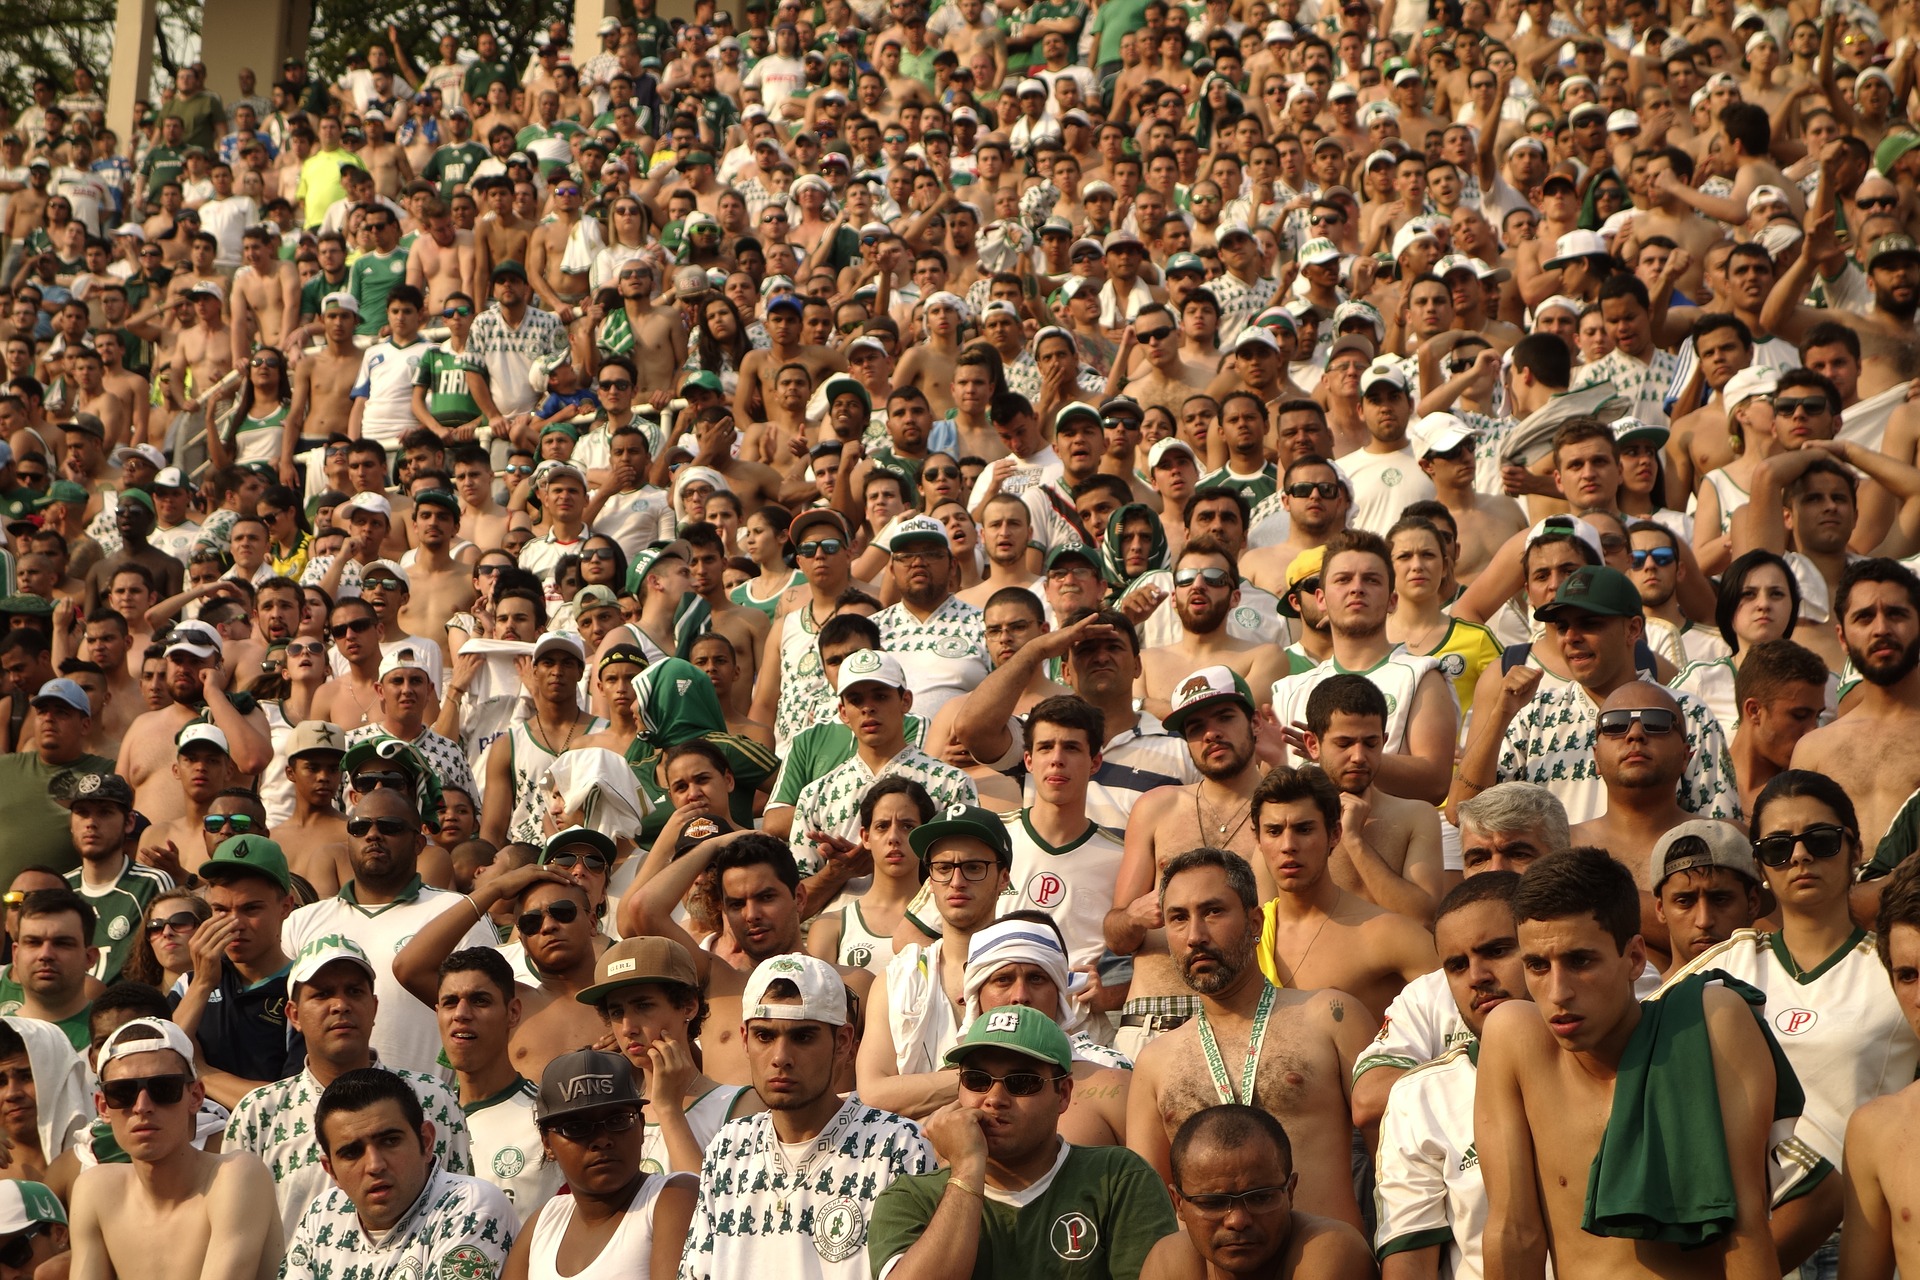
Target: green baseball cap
(704, 381)
(1594, 589)
(31, 606)
(1017, 1028)
(966, 820)
(1185, 262)
(1073, 550)
(1888, 246)
(1891, 148)
(140, 496)
(248, 855)
(67, 491)
(843, 385)
(560, 429)
(437, 498)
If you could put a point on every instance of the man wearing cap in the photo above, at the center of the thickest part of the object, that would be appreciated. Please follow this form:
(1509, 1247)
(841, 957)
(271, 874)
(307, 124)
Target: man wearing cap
(1549, 740)
(510, 337)
(935, 636)
(203, 769)
(331, 1005)
(323, 382)
(37, 826)
(648, 994)
(406, 691)
(1384, 474)
(808, 1218)
(235, 1007)
(207, 1205)
(33, 1225)
(1706, 887)
(1086, 1206)
(119, 888)
(874, 695)
(383, 906)
(520, 759)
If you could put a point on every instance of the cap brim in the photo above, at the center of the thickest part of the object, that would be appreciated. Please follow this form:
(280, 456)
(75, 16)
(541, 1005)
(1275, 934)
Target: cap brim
(923, 837)
(1176, 719)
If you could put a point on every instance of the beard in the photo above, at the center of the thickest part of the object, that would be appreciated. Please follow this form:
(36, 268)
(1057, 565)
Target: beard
(1205, 623)
(1885, 672)
(1229, 966)
(1219, 772)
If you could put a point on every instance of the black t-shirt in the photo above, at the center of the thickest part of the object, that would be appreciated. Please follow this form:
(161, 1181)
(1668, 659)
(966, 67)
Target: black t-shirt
(244, 1030)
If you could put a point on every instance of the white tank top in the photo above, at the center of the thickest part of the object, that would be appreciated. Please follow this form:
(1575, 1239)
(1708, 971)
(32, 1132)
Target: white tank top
(1732, 496)
(625, 1257)
(713, 1109)
(861, 947)
(804, 695)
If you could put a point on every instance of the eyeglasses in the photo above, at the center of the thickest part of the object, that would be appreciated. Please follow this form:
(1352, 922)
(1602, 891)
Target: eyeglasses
(1661, 556)
(973, 869)
(121, 1095)
(1823, 841)
(178, 922)
(565, 911)
(1064, 572)
(1155, 336)
(1812, 406)
(1654, 720)
(449, 313)
(821, 547)
(1215, 578)
(585, 1128)
(341, 630)
(940, 473)
(1021, 1084)
(1258, 1200)
(568, 861)
(1325, 490)
(238, 823)
(616, 384)
(358, 828)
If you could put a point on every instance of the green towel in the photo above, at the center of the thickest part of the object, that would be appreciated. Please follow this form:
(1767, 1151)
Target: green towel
(1661, 1172)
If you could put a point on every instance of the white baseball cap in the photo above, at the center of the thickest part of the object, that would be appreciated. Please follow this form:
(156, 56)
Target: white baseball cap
(1747, 383)
(1438, 433)
(154, 1035)
(202, 732)
(1161, 448)
(368, 501)
(823, 994)
(405, 658)
(1388, 371)
(870, 666)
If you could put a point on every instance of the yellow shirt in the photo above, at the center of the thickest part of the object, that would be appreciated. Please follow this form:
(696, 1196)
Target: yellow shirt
(1467, 649)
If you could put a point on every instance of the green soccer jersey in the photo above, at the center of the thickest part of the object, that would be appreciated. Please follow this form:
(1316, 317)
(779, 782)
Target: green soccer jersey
(651, 35)
(1257, 487)
(452, 166)
(1098, 1213)
(371, 278)
(316, 289)
(76, 1027)
(1044, 11)
(163, 165)
(444, 374)
(120, 913)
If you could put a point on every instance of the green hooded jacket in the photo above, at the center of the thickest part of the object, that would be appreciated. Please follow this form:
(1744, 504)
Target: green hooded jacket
(676, 704)
(1113, 563)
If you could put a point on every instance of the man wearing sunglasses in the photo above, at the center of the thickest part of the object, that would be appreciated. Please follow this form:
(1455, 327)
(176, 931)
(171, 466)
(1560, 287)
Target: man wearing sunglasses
(1098, 1207)
(1205, 592)
(33, 1227)
(203, 771)
(100, 808)
(1657, 570)
(331, 1007)
(149, 1095)
(384, 904)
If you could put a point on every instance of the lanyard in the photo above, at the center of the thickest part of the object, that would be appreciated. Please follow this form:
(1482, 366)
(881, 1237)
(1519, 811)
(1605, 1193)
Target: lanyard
(1217, 1067)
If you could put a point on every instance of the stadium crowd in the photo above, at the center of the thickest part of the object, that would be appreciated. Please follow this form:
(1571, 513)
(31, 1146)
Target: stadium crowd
(1014, 641)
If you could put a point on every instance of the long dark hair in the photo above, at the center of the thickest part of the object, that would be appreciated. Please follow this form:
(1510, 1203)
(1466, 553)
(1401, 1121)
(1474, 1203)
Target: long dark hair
(1814, 786)
(142, 964)
(713, 356)
(1734, 581)
(243, 403)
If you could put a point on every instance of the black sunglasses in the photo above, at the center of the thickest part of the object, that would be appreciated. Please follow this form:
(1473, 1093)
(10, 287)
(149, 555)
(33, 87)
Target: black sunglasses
(585, 1128)
(122, 1095)
(179, 922)
(564, 911)
(1021, 1084)
(941, 473)
(341, 630)
(821, 547)
(1661, 556)
(568, 861)
(238, 823)
(360, 827)
(616, 384)
(1823, 840)
(17, 1253)
(1813, 406)
(592, 553)
(1325, 490)
(1655, 720)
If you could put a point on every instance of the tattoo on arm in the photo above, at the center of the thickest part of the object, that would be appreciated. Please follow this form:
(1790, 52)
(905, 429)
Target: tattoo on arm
(1339, 1010)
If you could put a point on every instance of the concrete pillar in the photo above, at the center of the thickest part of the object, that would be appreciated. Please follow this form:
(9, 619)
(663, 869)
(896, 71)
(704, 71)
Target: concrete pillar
(587, 17)
(247, 33)
(128, 76)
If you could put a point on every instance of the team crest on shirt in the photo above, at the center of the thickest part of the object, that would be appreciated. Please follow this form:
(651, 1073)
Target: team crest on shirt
(508, 1162)
(1248, 618)
(117, 928)
(467, 1263)
(859, 956)
(1390, 477)
(947, 647)
(1795, 1022)
(1393, 704)
(1074, 1236)
(839, 1229)
(1453, 666)
(1046, 889)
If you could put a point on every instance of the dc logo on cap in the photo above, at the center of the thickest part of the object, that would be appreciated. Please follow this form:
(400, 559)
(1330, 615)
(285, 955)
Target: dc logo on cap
(1005, 1021)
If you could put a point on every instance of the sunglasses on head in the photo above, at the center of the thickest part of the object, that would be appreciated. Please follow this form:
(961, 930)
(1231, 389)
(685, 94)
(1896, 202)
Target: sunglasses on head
(238, 823)
(568, 861)
(341, 630)
(360, 827)
(563, 911)
(1215, 578)
(584, 1129)
(1021, 1084)
(821, 547)
(1812, 406)
(1823, 840)
(122, 1095)
(178, 922)
(1654, 720)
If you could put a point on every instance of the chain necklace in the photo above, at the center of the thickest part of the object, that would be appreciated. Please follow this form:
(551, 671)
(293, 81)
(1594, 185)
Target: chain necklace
(546, 740)
(1216, 1065)
(820, 1146)
(1295, 968)
(1225, 832)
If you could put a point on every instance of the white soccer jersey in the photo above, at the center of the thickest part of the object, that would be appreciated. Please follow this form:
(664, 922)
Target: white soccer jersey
(385, 382)
(1427, 1187)
(1838, 1023)
(506, 1147)
(1397, 675)
(1422, 1023)
(459, 1229)
(1072, 883)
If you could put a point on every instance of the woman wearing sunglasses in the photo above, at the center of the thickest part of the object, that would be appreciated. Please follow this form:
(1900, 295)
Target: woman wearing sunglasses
(1828, 1000)
(1759, 601)
(162, 956)
(256, 429)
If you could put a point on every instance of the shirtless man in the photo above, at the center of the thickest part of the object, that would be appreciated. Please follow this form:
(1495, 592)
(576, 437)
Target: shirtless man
(1165, 379)
(1878, 612)
(266, 294)
(483, 522)
(745, 629)
(754, 483)
(659, 334)
(1448, 454)
(1213, 711)
(760, 369)
(1877, 1234)
(1315, 933)
(315, 838)
(1389, 847)
(1206, 588)
(92, 396)
(195, 680)
(558, 288)
(1004, 533)
(501, 235)
(441, 582)
(441, 262)
(323, 381)
(206, 1207)
(205, 350)
(1314, 496)
(1885, 327)
(930, 364)
(1286, 1051)
(1545, 1093)
(133, 390)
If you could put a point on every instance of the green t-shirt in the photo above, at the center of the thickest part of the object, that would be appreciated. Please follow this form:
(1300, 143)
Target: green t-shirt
(316, 289)
(1114, 20)
(371, 278)
(120, 914)
(444, 374)
(163, 164)
(1101, 1214)
(453, 165)
(36, 827)
(76, 1027)
(820, 749)
(1044, 11)
(481, 74)
(200, 113)
(721, 114)
(1257, 488)
(651, 35)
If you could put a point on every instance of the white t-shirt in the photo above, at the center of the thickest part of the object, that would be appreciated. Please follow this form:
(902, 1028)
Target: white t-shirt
(224, 220)
(505, 1143)
(1383, 486)
(1072, 883)
(778, 79)
(385, 382)
(1428, 1181)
